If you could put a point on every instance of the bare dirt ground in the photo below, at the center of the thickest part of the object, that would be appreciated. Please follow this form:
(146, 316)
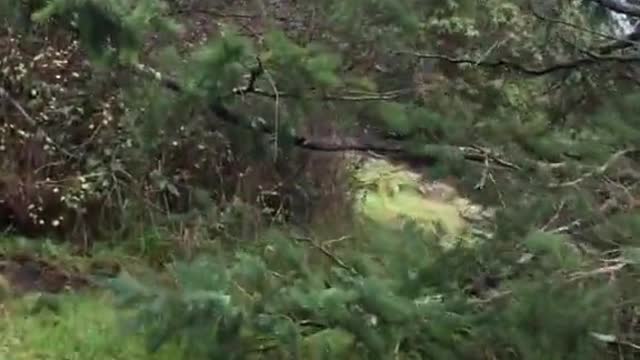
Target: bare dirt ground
(26, 274)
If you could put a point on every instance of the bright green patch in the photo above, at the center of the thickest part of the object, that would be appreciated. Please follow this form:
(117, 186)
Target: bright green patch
(77, 327)
(408, 205)
(391, 194)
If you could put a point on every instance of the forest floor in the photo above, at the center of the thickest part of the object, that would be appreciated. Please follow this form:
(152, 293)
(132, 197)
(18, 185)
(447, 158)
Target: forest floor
(50, 308)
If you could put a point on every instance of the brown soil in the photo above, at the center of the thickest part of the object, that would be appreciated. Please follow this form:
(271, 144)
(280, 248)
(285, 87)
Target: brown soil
(27, 274)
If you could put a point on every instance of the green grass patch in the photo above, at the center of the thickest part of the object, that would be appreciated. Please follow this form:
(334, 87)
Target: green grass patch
(76, 326)
(86, 325)
(407, 205)
(390, 194)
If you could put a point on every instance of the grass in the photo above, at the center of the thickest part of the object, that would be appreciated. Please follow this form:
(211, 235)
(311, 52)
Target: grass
(392, 195)
(392, 209)
(82, 325)
(85, 326)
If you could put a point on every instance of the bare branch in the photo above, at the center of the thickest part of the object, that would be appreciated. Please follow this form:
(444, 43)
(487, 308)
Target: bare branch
(631, 39)
(592, 59)
(618, 43)
(354, 96)
(32, 122)
(210, 12)
(620, 7)
(558, 21)
(600, 170)
(328, 253)
(25, 115)
(254, 75)
(259, 70)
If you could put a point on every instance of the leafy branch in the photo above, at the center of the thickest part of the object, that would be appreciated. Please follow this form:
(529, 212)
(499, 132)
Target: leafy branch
(617, 43)
(332, 144)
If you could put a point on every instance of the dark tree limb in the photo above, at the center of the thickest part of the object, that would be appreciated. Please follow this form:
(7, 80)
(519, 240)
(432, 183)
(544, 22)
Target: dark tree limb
(620, 7)
(590, 60)
(631, 39)
(559, 21)
(254, 75)
(617, 43)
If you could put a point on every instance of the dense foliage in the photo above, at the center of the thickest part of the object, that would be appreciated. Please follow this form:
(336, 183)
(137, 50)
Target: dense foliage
(213, 123)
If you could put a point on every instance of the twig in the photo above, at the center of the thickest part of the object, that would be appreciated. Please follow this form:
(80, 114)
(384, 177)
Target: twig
(254, 75)
(596, 172)
(5, 94)
(610, 269)
(524, 69)
(495, 183)
(631, 39)
(567, 228)
(488, 52)
(629, 344)
(276, 114)
(349, 97)
(555, 216)
(33, 123)
(333, 241)
(328, 253)
(626, 40)
(485, 174)
(491, 155)
(211, 12)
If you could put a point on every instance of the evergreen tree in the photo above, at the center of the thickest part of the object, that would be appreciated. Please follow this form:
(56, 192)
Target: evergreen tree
(530, 105)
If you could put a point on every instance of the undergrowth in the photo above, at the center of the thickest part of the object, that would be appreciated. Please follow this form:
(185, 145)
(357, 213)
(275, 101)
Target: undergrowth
(381, 294)
(78, 327)
(200, 152)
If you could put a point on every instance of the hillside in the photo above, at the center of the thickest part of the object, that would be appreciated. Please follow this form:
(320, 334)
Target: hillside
(281, 179)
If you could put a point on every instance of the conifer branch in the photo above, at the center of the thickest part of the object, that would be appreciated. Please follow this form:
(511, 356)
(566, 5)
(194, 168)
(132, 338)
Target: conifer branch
(589, 60)
(341, 144)
(617, 43)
